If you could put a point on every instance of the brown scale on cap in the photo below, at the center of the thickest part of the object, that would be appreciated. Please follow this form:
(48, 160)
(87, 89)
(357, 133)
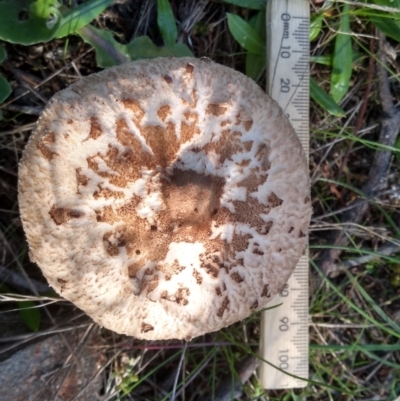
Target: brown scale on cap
(223, 307)
(244, 117)
(265, 291)
(107, 193)
(226, 146)
(145, 328)
(169, 270)
(47, 140)
(106, 215)
(197, 276)
(63, 215)
(237, 277)
(95, 129)
(134, 106)
(163, 112)
(180, 296)
(216, 109)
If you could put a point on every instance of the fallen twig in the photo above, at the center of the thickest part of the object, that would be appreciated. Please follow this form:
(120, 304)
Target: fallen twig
(378, 172)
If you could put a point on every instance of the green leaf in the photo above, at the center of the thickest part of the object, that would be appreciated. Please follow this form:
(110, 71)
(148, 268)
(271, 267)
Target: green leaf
(5, 89)
(245, 34)
(19, 25)
(166, 22)
(316, 26)
(257, 22)
(324, 100)
(3, 54)
(81, 16)
(255, 65)
(108, 51)
(387, 26)
(342, 58)
(30, 314)
(252, 4)
(143, 48)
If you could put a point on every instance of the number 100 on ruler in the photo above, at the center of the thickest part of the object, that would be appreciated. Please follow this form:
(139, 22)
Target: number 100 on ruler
(284, 329)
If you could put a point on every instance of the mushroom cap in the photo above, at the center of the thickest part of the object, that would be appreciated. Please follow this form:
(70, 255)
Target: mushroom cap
(166, 198)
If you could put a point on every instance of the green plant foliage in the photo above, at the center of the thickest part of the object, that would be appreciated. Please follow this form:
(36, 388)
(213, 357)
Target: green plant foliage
(327, 59)
(30, 314)
(255, 63)
(44, 8)
(5, 89)
(27, 309)
(397, 146)
(3, 54)
(387, 3)
(315, 26)
(252, 4)
(19, 23)
(142, 47)
(387, 23)
(247, 37)
(342, 62)
(81, 16)
(324, 100)
(109, 52)
(166, 22)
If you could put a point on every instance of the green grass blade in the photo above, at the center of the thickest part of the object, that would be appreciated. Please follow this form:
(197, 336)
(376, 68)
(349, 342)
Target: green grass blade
(30, 314)
(245, 34)
(356, 347)
(326, 59)
(342, 58)
(324, 100)
(353, 306)
(166, 22)
(252, 4)
(387, 3)
(81, 16)
(372, 303)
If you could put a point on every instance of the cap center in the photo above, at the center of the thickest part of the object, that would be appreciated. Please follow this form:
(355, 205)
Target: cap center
(192, 199)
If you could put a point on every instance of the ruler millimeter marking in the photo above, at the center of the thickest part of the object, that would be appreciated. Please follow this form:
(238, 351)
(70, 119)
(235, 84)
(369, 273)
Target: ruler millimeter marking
(284, 330)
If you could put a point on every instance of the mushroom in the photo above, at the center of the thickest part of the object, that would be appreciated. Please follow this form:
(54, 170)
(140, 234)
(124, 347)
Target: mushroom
(166, 198)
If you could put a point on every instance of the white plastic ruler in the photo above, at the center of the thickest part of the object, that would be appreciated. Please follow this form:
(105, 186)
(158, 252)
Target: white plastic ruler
(284, 330)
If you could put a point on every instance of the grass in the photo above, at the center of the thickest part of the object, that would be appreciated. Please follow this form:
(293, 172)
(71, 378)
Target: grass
(354, 317)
